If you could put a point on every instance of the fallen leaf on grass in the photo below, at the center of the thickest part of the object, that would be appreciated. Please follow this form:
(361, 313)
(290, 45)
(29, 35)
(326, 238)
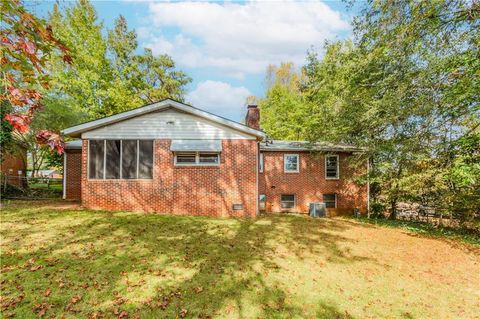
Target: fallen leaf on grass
(29, 263)
(6, 269)
(230, 308)
(75, 299)
(47, 292)
(148, 302)
(72, 302)
(96, 285)
(95, 315)
(119, 300)
(183, 313)
(35, 268)
(6, 303)
(198, 289)
(120, 314)
(41, 309)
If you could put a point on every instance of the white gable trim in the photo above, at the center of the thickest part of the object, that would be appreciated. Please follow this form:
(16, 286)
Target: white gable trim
(76, 130)
(168, 123)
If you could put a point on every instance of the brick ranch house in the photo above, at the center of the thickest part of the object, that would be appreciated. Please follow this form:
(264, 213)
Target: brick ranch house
(170, 157)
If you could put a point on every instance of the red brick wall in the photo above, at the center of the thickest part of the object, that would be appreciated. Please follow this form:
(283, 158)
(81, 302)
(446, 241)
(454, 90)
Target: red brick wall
(310, 184)
(209, 191)
(73, 174)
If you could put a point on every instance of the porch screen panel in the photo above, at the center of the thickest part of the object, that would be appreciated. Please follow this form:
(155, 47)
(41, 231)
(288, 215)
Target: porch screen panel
(95, 160)
(113, 159)
(145, 159)
(129, 159)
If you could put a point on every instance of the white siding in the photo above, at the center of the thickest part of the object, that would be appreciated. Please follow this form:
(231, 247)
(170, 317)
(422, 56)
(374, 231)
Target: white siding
(168, 124)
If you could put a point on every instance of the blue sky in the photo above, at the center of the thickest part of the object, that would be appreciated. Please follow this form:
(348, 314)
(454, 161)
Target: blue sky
(225, 47)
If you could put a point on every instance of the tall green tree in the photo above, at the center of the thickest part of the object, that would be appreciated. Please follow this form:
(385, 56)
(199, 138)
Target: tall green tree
(122, 46)
(6, 138)
(407, 89)
(146, 77)
(108, 74)
(428, 86)
(85, 84)
(283, 109)
(157, 78)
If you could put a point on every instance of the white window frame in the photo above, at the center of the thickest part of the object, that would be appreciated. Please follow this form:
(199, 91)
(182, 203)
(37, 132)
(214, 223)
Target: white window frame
(338, 167)
(285, 170)
(121, 168)
(294, 201)
(260, 166)
(185, 164)
(197, 159)
(335, 194)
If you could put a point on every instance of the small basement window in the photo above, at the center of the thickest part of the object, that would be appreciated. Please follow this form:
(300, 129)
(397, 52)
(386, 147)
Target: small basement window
(288, 201)
(262, 200)
(330, 200)
(197, 159)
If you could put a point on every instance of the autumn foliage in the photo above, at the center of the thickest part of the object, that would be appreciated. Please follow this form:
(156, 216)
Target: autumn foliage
(26, 42)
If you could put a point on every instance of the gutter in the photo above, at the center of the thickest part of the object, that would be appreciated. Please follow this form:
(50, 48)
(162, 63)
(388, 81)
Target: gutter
(64, 196)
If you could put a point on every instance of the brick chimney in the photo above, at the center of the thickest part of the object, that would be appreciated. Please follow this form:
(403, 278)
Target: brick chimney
(252, 119)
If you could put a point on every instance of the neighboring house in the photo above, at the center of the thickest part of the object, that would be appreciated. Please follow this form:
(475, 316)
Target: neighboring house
(13, 167)
(46, 173)
(170, 157)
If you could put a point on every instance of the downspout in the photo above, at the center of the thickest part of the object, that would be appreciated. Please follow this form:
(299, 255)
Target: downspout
(368, 187)
(64, 175)
(257, 169)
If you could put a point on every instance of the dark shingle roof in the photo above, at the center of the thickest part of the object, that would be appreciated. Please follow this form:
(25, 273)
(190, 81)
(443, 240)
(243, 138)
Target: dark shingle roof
(279, 145)
(73, 145)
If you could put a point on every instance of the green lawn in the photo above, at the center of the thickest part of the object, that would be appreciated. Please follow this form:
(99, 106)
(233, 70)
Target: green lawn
(56, 186)
(61, 261)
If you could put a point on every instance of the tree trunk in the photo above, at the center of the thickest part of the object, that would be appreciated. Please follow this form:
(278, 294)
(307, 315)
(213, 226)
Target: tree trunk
(369, 167)
(393, 214)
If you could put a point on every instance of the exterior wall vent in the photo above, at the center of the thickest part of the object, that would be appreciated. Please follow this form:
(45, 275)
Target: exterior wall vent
(237, 206)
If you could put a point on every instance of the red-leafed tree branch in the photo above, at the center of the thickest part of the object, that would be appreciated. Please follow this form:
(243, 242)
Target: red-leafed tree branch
(26, 43)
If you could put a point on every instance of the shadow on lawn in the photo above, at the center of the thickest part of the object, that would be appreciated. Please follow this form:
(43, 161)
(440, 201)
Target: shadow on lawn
(320, 236)
(108, 256)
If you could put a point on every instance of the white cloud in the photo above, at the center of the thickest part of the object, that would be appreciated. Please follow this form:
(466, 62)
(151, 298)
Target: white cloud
(242, 39)
(220, 98)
